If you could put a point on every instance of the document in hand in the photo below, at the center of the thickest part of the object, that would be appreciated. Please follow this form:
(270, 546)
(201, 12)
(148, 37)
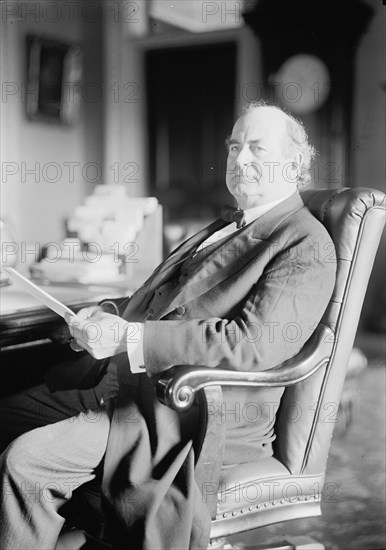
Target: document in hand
(37, 292)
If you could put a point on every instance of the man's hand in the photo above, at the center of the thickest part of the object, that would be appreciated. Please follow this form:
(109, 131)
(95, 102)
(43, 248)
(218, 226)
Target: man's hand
(101, 334)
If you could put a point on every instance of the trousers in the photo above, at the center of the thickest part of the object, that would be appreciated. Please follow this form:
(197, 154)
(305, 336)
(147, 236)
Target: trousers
(64, 441)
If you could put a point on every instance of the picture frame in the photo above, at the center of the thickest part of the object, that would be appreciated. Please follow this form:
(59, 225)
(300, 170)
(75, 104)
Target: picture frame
(54, 73)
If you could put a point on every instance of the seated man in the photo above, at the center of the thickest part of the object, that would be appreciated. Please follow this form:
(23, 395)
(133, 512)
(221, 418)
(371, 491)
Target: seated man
(243, 295)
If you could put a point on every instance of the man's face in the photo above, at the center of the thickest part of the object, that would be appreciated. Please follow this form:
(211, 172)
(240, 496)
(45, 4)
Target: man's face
(259, 170)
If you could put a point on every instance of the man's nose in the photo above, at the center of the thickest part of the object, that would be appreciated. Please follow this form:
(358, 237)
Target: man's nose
(244, 158)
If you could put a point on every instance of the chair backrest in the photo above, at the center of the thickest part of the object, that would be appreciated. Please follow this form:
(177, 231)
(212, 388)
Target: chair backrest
(355, 219)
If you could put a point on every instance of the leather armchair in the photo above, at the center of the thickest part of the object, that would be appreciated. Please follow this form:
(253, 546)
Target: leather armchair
(288, 485)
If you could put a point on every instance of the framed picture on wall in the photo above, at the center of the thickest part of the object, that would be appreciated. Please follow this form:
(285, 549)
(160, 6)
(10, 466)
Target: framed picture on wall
(54, 72)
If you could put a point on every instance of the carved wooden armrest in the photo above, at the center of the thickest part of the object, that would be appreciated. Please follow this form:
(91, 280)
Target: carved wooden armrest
(178, 386)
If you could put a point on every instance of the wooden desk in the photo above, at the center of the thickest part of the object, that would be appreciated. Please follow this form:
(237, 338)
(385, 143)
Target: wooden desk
(33, 338)
(24, 321)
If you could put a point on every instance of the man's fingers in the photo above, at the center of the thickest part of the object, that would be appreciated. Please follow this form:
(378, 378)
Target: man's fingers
(88, 312)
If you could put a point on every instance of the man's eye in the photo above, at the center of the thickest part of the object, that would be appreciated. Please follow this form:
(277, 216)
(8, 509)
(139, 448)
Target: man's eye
(257, 148)
(234, 148)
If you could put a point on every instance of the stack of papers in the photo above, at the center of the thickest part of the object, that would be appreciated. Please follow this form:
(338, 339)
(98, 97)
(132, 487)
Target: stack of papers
(106, 269)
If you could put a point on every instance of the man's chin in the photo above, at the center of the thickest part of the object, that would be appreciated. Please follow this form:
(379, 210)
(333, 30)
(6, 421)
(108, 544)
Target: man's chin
(242, 188)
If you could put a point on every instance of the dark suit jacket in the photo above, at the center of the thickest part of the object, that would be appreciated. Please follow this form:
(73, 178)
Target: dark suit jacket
(250, 305)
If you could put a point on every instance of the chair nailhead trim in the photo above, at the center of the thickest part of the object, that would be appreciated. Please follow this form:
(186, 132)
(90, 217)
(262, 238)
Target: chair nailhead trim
(290, 500)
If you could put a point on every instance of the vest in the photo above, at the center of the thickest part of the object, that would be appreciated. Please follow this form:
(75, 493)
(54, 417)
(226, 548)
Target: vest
(187, 268)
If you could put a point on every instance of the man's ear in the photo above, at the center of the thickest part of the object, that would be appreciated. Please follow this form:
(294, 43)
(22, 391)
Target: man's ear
(298, 161)
(295, 166)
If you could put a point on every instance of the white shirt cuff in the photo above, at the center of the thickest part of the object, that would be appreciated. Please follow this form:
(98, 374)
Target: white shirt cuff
(135, 347)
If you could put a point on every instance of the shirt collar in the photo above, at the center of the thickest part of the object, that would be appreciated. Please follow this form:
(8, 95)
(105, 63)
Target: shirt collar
(251, 214)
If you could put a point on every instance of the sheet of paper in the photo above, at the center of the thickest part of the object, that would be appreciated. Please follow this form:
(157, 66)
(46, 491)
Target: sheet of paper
(38, 293)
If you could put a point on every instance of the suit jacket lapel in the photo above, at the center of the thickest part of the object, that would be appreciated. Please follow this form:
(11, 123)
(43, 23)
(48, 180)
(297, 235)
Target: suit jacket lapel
(165, 270)
(177, 256)
(231, 255)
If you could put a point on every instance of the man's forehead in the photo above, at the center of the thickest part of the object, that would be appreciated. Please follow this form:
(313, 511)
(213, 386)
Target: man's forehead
(260, 122)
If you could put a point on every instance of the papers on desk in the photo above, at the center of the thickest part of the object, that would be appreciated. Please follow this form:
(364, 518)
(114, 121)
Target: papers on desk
(110, 218)
(76, 268)
(42, 296)
(102, 246)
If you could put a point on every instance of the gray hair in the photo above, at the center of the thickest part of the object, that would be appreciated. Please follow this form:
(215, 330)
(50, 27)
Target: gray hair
(297, 140)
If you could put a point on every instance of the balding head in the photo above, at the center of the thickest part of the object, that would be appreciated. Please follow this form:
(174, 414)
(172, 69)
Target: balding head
(270, 120)
(263, 165)
(295, 138)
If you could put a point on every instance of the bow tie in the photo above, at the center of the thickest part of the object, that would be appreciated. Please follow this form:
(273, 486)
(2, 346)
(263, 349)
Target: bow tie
(231, 214)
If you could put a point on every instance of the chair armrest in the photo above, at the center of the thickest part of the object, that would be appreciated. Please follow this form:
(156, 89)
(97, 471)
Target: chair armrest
(178, 386)
(116, 306)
